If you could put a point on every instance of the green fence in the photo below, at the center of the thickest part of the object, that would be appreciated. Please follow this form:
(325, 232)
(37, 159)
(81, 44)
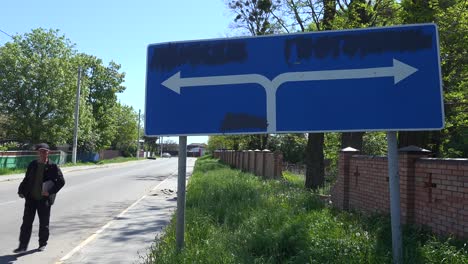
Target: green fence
(21, 159)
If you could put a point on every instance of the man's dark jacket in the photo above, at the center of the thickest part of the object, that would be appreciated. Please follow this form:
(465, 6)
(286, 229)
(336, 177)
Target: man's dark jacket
(51, 173)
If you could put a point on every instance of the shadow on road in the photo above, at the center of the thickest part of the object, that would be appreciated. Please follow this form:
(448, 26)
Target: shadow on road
(148, 177)
(8, 259)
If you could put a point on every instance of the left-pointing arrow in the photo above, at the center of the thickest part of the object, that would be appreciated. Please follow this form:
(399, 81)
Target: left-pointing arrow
(175, 82)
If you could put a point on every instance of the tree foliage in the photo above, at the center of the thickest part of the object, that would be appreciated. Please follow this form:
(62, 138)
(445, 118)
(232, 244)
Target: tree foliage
(38, 82)
(255, 16)
(101, 85)
(37, 86)
(452, 20)
(127, 130)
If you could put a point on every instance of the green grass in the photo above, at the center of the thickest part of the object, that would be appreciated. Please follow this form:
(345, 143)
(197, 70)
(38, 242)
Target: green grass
(4, 171)
(101, 162)
(235, 217)
(299, 182)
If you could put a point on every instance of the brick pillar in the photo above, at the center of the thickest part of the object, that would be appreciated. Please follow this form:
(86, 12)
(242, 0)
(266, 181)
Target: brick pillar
(345, 173)
(278, 165)
(246, 161)
(264, 155)
(406, 161)
(257, 152)
(236, 157)
(241, 160)
(251, 167)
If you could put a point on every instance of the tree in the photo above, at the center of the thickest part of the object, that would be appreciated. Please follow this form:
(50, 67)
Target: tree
(452, 20)
(37, 87)
(151, 143)
(38, 82)
(224, 142)
(362, 14)
(100, 87)
(3, 122)
(292, 146)
(126, 129)
(308, 15)
(315, 171)
(255, 16)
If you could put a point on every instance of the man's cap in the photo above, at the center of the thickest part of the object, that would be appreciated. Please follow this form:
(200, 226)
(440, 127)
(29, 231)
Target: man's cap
(42, 146)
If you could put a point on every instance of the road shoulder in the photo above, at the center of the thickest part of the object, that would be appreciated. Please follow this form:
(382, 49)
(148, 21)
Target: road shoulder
(128, 237)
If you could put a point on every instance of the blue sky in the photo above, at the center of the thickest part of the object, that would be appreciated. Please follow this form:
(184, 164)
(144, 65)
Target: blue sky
(120, 30)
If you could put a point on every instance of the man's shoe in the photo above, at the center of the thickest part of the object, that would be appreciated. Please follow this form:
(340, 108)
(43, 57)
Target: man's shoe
(19, 250)
(42, 248)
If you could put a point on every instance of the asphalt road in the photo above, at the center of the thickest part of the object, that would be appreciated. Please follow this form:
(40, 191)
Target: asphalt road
(96, 206)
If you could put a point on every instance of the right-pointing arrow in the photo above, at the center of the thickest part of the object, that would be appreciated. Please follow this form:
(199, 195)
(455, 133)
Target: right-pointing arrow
(398, 71)
(402, 70)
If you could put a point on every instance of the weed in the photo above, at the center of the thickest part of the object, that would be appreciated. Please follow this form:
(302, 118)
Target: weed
(235, 217)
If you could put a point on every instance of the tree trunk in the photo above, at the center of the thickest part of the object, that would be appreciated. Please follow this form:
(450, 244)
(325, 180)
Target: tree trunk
(315, 173)
(430, 140)
(329, 13)
(352, 139)
(416, 138)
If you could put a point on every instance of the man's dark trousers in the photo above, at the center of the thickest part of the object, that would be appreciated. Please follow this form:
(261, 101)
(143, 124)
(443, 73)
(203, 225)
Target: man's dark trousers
(43, 210)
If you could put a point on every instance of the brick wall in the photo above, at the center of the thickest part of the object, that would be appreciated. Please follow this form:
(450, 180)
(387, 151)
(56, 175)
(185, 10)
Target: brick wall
(433, 192)
(261, 163)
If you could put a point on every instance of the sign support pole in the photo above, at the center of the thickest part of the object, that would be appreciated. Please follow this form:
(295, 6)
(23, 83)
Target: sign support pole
(394, 185)
(180, 221)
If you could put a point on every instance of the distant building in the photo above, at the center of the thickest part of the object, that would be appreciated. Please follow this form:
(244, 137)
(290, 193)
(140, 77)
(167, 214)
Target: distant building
(196, 149)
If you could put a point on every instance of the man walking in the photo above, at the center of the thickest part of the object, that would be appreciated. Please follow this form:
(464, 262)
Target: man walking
(42, 181)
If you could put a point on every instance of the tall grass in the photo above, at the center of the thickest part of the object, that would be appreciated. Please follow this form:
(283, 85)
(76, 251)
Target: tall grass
(7, 171)
(235, 217)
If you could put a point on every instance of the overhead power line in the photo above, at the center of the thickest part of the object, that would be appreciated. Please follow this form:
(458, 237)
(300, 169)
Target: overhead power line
(6, 33)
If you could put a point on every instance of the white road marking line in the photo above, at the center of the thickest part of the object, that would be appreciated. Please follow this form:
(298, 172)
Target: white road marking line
(10, 202)
(93, 236)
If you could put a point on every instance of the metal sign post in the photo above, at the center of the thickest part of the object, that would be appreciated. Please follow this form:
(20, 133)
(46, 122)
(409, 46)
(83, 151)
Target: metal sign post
(394, 186)
(180, 221)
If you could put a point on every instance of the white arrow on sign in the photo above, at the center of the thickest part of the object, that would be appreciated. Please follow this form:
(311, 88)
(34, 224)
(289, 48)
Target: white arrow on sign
(398, 71)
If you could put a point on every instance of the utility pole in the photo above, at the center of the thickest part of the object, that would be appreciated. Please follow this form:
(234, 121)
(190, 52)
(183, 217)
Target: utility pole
(138, 139)
(161, 143)
(77, 115)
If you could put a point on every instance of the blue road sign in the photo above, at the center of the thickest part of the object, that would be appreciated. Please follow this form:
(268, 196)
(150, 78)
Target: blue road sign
(375, 79)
